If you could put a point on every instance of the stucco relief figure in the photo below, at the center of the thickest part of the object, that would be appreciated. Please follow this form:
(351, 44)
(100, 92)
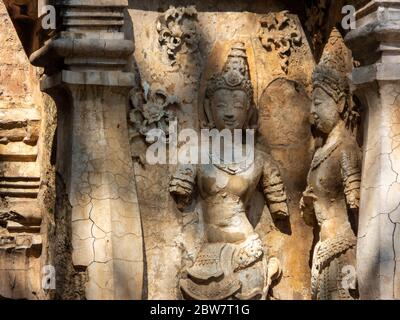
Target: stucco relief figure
(232, 262)
(333, 190)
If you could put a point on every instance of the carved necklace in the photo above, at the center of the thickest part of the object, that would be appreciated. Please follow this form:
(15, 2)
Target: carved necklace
(328, 148)
(323, 153)
(233, 167)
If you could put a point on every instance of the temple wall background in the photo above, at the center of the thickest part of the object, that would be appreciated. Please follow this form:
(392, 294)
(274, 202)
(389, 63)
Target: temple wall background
(172, 237)
(146, 242)
(27, 125)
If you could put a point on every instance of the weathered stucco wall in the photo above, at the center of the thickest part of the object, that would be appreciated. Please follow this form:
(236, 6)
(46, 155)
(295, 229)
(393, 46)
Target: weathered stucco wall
(27, 125)
(172, 238)
(85, 200)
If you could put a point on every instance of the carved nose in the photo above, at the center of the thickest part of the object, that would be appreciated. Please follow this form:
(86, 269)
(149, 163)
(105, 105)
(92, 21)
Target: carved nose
(313, 118)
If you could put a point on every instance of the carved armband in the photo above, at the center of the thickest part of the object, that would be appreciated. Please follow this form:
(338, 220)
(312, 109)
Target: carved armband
(274, 190)
(351, 175)
(182, 184)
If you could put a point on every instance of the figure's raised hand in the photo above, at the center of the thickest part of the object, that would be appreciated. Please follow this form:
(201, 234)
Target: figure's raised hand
(181, 186)
(307, 206)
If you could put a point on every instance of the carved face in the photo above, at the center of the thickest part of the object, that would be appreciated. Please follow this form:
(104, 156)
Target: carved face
(229, 109)
(324, 111)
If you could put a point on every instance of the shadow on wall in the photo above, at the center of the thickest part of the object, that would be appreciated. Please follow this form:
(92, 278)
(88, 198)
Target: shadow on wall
(256, 6)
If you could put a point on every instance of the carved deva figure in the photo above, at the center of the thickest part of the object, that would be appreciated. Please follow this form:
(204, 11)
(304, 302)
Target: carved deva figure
(231, 263)
(332, 195)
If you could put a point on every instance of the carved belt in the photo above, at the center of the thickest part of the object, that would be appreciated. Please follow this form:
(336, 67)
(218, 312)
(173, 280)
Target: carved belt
(212, 275)
(328, 249)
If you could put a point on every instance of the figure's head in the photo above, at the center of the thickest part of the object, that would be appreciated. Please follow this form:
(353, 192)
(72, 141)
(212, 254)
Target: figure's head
(331, 92)
(229, 97)
(329, 100)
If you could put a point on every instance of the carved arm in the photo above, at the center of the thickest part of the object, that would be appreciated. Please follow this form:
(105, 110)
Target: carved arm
(274, 189)
(307, 206)
(351, 177)
(182, 184)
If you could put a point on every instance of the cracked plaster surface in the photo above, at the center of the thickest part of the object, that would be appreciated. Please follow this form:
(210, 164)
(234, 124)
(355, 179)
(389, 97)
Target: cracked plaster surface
(106, 226)
(379, 230)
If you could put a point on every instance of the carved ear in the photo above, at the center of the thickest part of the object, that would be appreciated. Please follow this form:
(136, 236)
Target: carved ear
(208, 114)
(341, 104)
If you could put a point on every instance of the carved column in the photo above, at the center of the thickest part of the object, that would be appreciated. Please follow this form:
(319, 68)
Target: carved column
(376, 45)
(85, 66)
(21, 176)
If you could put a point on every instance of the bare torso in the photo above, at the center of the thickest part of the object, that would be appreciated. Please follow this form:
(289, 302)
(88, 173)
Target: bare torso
(225, 198)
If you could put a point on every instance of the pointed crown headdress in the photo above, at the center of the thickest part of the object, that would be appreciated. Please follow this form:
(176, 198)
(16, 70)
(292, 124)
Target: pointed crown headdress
(331, 76)
(333, 68)
(235, 74)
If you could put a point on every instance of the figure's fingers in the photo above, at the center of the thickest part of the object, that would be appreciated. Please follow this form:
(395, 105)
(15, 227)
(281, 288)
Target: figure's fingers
(180, 186)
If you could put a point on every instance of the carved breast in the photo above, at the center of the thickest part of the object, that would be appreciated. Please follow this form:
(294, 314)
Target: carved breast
(325, 176)
(215, 180)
